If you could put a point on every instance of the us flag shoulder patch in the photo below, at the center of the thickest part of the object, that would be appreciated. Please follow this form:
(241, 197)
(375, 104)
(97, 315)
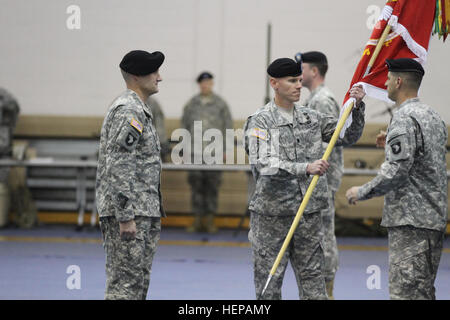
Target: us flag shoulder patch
(259, 133)
(136, 124)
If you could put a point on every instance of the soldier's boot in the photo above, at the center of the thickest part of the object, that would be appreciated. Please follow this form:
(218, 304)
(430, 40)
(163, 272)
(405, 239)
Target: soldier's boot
(209, 224)
(329, 285)
(196, 225)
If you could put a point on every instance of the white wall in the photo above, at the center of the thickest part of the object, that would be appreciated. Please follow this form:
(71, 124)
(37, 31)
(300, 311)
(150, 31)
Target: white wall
(57, 71)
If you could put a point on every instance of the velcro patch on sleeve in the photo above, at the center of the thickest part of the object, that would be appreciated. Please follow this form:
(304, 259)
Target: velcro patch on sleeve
(259, 133)
(128, 138)
(399, 148)
(136, 124)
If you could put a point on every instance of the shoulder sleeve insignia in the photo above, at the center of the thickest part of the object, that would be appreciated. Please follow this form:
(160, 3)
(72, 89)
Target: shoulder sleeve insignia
(399, 147)
(128, 138)
(259, 133)
(136, 124)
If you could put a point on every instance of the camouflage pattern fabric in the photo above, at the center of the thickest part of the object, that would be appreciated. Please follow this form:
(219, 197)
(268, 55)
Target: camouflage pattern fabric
(213, 112)
(279, 153)
(129, 164)
(158, 123)
(329, 242)
(322, 100)
(205, 189)
(267, 234)
(129, 262)
(9, 113)
(414, 255)
(413, 177)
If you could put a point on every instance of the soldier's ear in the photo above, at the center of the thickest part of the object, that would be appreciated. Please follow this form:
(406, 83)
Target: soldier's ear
(273, 83)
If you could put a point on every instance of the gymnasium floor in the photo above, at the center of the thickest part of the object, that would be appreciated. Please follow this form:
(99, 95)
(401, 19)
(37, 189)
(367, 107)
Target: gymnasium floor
(34, 265)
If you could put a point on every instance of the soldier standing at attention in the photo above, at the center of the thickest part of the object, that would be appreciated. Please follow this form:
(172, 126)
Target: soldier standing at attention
(284, 144)
(321, 99)
(128, 180)
(212, 112)
(413, 179)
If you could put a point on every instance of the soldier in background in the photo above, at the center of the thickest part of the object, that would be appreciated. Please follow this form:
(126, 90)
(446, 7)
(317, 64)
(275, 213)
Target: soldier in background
(413, 180)
(284, 144)
(213, 112)
(321, 99)
(9, 113)
(158, 122)
(128, 180)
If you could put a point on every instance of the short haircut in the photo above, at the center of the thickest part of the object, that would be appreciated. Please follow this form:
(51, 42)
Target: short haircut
(412, 80)
(322, 67)
(126, 76)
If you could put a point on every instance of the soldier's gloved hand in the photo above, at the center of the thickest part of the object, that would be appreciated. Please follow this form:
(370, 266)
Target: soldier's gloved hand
(318, 167)
(127, 230)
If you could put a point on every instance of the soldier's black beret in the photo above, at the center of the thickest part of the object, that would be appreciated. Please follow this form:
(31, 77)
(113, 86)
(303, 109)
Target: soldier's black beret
(314, 57)
(405, 65)
(141, 63)
(284, 67)
(204, 75)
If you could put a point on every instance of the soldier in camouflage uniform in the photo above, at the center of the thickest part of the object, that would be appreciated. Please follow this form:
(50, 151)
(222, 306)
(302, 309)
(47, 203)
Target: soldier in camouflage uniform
(315, 66)
(128, 180)
(284, 143)
(213, 113)
(413, 180)
(158, 123)
(9, 112)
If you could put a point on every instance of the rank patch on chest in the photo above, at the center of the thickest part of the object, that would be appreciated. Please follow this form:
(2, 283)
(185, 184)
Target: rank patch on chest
(136, 124)
(259, 133)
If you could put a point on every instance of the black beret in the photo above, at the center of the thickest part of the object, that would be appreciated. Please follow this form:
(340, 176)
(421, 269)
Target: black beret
(284, 67)
(203, 76)
(141, 63)
(405, 65)
(314, 57)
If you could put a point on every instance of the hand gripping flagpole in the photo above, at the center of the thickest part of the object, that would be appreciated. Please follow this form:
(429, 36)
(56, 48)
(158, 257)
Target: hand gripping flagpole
(325, 157)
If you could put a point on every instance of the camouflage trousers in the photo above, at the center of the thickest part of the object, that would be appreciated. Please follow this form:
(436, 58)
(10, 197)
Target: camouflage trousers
(330, 249)
(205, 189)
(414, 255)
(129, 262)
(267, 234)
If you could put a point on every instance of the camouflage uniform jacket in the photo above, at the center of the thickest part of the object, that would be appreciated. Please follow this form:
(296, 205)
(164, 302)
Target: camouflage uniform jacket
(322, 99)
(279, 153)
(214, 114)
(413, 176)
(9, 113)
(129, 164)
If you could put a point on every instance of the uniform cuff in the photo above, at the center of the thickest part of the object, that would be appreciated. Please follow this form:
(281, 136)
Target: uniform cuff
(300, 169)
(124, 216)
(362, 192)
